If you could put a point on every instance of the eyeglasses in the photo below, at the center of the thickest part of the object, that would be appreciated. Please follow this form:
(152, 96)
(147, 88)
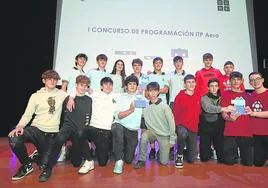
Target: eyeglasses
(255, 80)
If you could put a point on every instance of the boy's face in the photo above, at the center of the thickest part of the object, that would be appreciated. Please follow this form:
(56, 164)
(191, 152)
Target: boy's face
(81, 62)
(137, 68)
(81, 88)
(236, 82)
(190, 84)
(213, 88)
(228, 69)
(132, 87)
(208, 62)
(256, 81)
(50, 83)
(102, 63)
(153, 94)
(178, 64)
(158, 65)
(107, 87)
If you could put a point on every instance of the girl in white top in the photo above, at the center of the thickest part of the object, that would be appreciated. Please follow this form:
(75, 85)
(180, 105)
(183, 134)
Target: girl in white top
(118, 75)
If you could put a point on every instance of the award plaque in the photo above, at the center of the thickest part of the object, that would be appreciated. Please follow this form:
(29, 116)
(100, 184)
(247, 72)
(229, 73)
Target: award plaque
(239, 104)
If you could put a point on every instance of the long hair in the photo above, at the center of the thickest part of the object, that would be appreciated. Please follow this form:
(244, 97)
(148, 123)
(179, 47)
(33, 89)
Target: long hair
(122, 73)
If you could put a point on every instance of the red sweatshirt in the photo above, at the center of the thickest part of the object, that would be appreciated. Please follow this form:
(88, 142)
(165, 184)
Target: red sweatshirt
(225, 84)
(187, 109)
(202, 77)
(259, 103)
(241, 126)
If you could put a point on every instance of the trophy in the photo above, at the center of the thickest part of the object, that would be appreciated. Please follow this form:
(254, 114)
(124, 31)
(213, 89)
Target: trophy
(140, 102)
(239, 104)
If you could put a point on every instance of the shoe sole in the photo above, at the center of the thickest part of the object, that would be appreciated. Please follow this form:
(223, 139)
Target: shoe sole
(179, 167)
(117, 172)
(13, 178)
(85, 172)
(139, 167)
(44, 180)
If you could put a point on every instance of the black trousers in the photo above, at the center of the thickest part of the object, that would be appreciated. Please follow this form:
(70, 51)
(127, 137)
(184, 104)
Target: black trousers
(124, 143)
(260, 149)
(41, 140)
(80, 146)
(245, 145)
(206, 139)
(102, 139)
(186, 138)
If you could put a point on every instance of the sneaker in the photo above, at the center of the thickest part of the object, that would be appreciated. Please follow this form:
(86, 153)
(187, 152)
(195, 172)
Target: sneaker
(44, 176)
(62, 156)
(139, 164)
(87, 166)
(171, 154)
(179, 161)
(118, 167)
(198, 156)
(34, 156)
(23, 171)
(214, 157)
(152, 154)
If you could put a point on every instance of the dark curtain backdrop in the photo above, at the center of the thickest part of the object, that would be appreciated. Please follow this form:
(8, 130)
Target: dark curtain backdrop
(28, 43)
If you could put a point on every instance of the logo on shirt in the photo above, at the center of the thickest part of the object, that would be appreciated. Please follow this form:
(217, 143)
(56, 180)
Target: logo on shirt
(227, 85)
(51, 102)
(87, 119)
(210, 75)
(257, 106)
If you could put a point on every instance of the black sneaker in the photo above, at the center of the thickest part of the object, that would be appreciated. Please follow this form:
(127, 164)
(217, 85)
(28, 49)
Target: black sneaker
(44, 176)
(34, 156)
(171, 154)
(152, 154)
(179, 161)
(139, 164)
(23, 171)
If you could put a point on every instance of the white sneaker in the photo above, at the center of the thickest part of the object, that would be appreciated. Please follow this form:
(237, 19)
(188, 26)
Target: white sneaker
(118, 167)
(62, 156)
(214, 155)
(87, 166)
(198, 156)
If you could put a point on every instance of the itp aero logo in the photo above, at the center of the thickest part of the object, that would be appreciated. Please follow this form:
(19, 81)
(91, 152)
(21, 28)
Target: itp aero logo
(223, 5)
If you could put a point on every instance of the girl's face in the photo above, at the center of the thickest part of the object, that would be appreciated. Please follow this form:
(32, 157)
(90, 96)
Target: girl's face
(119, 66)
(81, 62)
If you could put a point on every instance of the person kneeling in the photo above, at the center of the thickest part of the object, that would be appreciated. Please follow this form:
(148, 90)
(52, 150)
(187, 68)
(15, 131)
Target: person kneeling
(160, 125)
(73, 128)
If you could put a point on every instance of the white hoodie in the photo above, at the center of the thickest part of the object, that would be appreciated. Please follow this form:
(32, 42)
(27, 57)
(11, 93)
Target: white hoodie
(47, 107)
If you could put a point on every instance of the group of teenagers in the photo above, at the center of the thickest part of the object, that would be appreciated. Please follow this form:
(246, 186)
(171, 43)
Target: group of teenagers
(114, 114)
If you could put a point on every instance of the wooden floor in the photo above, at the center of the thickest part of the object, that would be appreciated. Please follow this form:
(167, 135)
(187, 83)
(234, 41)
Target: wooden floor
(153, 175)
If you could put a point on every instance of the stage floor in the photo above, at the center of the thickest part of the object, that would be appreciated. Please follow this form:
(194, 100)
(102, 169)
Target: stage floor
(153, 175)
